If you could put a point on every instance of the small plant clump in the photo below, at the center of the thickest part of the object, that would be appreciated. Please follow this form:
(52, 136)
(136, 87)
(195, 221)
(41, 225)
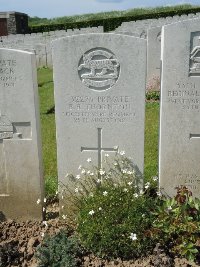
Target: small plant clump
(60, 250)
(114, 212)
(119, 217)
(153, 95)
(9, 253)
(177, 223)
(115, 222)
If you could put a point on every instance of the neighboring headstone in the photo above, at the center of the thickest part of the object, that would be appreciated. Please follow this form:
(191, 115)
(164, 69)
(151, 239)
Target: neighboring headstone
(151, 28)
(180, 107)
(49, 55)
(153, 56)
(99, 84)
(41, 55)
(21, 183)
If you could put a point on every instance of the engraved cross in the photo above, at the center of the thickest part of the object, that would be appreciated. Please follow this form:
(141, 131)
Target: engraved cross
(194, 136)
(99, 148)
(7, 131)
(6, 128)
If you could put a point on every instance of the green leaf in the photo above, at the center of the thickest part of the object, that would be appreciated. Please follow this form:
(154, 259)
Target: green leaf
(196, 206)
(190, 245)
(194, 250)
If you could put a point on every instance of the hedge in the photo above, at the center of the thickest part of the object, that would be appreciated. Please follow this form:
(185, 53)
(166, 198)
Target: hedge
(110, 24)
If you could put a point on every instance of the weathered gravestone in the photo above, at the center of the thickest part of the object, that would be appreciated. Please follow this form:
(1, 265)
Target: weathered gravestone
(153, 57)
(21, 182)
(99, 84)
(180, 107)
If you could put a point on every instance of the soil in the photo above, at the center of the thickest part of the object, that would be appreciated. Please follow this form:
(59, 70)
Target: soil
(19, 240)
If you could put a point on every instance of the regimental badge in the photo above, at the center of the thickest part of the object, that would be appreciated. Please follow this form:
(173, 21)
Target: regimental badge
(195, 54)
(99, 69)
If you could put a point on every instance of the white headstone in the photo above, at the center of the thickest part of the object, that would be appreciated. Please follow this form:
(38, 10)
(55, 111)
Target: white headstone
(180, 107)
(153, 54)
(99, 84)
(41, 55)
(21, 183)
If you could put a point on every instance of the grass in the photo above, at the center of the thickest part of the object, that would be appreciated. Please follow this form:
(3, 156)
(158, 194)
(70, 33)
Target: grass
(151, 140)
(49, 133)
(46, 95)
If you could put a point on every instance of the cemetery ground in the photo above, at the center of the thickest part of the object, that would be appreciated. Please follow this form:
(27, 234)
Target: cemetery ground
(18, 241)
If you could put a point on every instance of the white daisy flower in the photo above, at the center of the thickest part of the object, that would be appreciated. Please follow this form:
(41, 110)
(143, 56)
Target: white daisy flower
(155, 178)
(91, 212)
(101, 172)
(133, 237)
(89, 160)
(105, 193)
(45, 223)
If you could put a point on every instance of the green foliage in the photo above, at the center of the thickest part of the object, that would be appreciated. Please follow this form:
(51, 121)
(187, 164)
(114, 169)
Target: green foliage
(46, 90)
(49, 145)
(153, 95)
(46, 95)
(59, 251)
(9, 253)
(37, 20)
(100, 15)
(178, 223)
(151, 140)
(51, 186)
(115, 218)
(45, 75)
(111, 20)
(108, 232)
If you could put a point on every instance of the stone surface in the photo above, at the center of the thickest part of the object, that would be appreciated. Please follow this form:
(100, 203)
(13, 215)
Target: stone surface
(99, 84)
(41, 43)
(180, 107)
(153, 54)
(21, 183)
(149, 29)
(12, 23)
